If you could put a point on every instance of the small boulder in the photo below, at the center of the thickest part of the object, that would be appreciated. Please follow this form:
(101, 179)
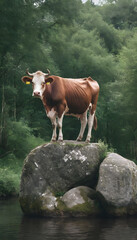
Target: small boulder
(117, 185)
(81, 201)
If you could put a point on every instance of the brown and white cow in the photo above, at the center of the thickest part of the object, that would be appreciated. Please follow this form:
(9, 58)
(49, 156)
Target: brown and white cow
(66, 96)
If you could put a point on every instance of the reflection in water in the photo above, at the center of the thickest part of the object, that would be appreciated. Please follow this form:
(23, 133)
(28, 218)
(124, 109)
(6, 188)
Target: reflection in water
(13, 225)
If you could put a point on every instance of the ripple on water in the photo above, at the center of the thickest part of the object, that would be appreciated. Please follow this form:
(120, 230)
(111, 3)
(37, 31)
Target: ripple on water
(13, 225)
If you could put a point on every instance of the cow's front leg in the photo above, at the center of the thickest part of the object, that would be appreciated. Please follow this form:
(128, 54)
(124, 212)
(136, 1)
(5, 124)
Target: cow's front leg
(60, 120)
(52, 115)
(83, 120)
(54, 126)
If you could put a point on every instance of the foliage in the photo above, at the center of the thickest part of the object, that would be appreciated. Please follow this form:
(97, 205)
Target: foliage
(121, 13)
(9, 183)
(105, 149)
(72, 39)
(128, 63)
(20, 139)
(10, 171)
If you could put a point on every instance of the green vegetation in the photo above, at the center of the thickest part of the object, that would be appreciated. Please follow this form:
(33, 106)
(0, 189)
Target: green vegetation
(9, 182)
(105, 149)
(59, 194)
(20, 142)
(72, 39)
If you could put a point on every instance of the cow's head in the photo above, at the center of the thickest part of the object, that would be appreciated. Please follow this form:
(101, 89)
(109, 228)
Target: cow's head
(38, 80)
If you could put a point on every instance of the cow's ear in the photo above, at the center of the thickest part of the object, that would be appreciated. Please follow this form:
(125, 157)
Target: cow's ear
(26, 79)
(49, 80)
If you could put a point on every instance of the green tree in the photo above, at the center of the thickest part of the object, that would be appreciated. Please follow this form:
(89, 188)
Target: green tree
(128, 64)
(72, 40)
(92, 19)
(121, 13)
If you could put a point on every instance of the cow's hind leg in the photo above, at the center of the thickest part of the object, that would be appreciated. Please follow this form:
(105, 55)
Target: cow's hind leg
(90, 125)
(83, 120)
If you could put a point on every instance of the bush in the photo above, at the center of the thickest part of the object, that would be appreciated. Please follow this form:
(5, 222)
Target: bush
(20, 139)
(105, 148)
(10, 172)
(9, 182)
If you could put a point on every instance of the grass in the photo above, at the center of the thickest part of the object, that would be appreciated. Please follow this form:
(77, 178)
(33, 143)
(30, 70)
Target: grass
(105, 149)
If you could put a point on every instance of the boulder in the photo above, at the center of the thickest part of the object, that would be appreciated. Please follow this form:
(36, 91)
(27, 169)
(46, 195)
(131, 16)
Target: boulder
(72, 179)
(51, 170)
(117, 185)
(81, 201)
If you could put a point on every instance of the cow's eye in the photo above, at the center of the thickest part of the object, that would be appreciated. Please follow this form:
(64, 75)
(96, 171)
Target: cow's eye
(42, 84)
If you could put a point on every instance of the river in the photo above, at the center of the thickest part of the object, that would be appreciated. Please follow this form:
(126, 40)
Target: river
(15, 226)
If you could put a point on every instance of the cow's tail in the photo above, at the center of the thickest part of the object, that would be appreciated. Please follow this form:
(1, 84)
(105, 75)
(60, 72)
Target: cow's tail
(95, 123)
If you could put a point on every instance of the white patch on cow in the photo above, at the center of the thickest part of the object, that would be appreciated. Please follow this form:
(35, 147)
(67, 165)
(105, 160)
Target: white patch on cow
(38, 81)
(90, 125)
(75, 155)
(52, 113)
(60, 120)
(90, 106)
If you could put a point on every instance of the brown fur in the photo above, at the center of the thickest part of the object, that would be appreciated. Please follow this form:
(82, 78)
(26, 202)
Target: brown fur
(77, 94)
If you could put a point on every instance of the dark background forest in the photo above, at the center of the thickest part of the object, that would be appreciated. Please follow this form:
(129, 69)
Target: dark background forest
(73, 40)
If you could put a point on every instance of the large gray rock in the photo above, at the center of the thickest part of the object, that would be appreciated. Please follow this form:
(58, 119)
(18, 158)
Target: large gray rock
(52, 169)
(117, 185)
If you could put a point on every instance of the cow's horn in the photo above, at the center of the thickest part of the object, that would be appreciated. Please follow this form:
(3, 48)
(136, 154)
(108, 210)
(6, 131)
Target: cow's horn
(48, 72)
(30, 74)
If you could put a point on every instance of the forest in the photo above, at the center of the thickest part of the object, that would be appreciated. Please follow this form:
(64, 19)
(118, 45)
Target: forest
(73, 39)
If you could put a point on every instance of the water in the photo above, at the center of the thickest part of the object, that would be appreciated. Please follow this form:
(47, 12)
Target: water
(14, 226)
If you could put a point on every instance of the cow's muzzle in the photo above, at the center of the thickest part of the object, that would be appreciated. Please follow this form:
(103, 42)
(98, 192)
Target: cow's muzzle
(37, 94)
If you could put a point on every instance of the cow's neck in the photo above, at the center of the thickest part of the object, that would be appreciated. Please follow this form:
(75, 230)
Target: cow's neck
(46, 99)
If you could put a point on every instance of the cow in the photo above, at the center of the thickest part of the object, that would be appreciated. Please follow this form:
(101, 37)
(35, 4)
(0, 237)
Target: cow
(66, 96)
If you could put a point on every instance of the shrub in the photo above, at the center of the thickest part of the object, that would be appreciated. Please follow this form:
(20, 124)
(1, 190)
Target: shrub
(9, 182)
(21, 140)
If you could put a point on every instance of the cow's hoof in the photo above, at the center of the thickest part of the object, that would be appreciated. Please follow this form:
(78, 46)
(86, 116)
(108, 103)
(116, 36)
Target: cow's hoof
(79, 139)
(60, 140)
(87, 141)
(53, 140)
